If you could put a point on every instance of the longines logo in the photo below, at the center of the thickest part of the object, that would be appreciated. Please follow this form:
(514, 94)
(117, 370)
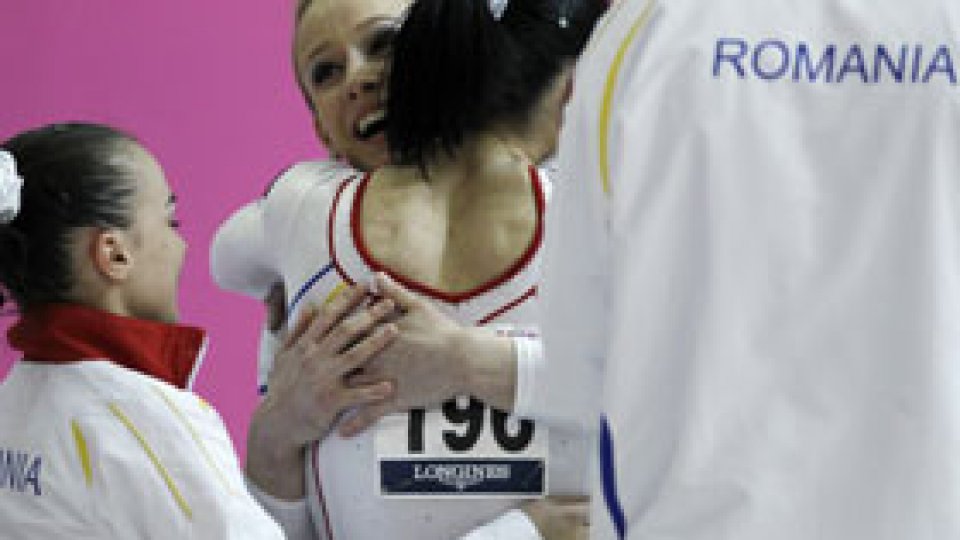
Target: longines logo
(460, 475)
(442, 477)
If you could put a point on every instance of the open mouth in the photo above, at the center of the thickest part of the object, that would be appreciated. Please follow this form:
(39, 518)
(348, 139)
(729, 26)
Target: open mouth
(370, 125)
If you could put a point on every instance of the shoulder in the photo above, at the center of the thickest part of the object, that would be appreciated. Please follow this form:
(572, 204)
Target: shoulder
(309, 176)
(246, 249)
(303, 190)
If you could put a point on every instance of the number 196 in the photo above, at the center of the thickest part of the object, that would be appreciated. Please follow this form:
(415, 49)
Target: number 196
(473, 417)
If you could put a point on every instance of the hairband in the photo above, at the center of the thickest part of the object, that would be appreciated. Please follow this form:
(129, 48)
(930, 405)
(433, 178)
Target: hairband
(497, 7)
(10, 186)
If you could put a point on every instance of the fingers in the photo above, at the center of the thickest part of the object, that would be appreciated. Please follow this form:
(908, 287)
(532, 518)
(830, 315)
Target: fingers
(563, 500)
(307, 316)
(364, 397)
(276, 309)
(334, 313)
(388, 288)
(574, 508)
(361, 352)
(560, 517)
(363, 377)
(354, 328)
(365, 417)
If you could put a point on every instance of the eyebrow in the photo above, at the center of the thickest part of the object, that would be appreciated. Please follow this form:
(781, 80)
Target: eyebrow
(395, 21)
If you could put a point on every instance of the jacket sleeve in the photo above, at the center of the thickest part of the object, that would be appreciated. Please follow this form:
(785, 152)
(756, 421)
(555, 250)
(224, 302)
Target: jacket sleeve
(157, 474)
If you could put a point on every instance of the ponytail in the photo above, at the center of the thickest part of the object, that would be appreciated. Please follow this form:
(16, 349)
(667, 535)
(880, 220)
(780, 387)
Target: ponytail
(458, 70)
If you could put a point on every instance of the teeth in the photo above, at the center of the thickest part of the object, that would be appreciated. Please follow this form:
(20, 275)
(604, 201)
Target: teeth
(368, 121)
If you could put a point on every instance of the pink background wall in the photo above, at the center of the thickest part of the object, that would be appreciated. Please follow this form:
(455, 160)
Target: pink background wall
(207, 86)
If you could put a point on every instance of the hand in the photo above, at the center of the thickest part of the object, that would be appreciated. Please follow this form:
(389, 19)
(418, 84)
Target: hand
(308, 389)
(432, 360)
(276, 307)
(560, 518)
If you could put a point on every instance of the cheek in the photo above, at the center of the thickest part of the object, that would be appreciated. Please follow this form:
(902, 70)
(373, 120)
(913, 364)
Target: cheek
(174, 252)
(327, 111)
(331, 113)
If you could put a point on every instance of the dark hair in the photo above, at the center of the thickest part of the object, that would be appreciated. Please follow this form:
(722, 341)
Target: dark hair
(70, 180)
(302, 6)
(457, 70)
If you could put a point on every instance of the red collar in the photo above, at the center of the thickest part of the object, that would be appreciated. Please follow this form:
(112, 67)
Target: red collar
(64, 333)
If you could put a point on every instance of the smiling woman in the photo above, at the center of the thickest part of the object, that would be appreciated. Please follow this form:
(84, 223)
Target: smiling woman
(340, 51)
(458, 218)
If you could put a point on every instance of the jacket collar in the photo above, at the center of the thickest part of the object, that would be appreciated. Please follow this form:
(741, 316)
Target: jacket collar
(66, 333)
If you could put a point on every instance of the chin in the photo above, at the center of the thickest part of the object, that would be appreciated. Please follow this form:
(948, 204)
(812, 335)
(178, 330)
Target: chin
(369, 161)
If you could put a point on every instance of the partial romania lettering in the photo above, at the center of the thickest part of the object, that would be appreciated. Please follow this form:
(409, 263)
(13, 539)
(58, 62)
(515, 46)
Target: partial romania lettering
(20, 471)
(833, 63)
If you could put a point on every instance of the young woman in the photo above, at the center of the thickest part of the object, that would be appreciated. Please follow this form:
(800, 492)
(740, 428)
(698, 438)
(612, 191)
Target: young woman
(100, 436)
(458, 220)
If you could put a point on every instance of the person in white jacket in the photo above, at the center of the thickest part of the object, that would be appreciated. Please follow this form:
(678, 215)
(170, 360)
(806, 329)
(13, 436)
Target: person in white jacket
(759, 255)
(101, 436)
(514, 125)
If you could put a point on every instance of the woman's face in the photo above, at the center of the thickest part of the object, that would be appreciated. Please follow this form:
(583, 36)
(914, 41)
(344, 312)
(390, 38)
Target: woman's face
(341, 53)
(156, 247)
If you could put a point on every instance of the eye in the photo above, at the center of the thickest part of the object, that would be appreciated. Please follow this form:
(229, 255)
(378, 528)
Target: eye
(322, 72)
(174, 223)
(381, 42)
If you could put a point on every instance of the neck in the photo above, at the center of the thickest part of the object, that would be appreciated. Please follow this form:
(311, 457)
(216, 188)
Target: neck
(486, 157)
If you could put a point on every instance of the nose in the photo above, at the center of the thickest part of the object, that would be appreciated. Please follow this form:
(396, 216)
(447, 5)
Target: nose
(364, 87)
(366, 78)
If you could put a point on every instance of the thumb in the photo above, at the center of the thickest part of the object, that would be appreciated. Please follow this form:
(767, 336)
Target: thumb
(388, 288)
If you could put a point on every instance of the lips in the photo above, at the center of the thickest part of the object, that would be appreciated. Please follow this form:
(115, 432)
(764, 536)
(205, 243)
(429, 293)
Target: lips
(370, 125)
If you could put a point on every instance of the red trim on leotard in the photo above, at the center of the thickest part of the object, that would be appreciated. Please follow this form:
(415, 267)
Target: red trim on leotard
(451, 298)
(316, 478)
(332, 219)
(498, 313)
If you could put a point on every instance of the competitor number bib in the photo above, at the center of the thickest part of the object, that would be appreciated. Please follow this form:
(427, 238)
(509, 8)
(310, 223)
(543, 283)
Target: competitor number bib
(464, 449)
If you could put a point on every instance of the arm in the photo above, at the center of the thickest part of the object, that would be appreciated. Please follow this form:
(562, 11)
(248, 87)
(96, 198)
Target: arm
(435, 358)
(308, 392)
(292, 516)
(239, 253)
(247, 247)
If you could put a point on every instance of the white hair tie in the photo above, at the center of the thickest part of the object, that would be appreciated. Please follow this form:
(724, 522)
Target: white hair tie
(497, 7)
(10, 186)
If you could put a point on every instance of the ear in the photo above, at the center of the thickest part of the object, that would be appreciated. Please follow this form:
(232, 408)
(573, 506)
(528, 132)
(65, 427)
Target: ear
(112, 255)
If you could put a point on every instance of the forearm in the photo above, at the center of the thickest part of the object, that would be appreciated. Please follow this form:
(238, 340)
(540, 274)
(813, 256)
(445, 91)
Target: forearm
(274, 464)
(292, 516)
(490, 366)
